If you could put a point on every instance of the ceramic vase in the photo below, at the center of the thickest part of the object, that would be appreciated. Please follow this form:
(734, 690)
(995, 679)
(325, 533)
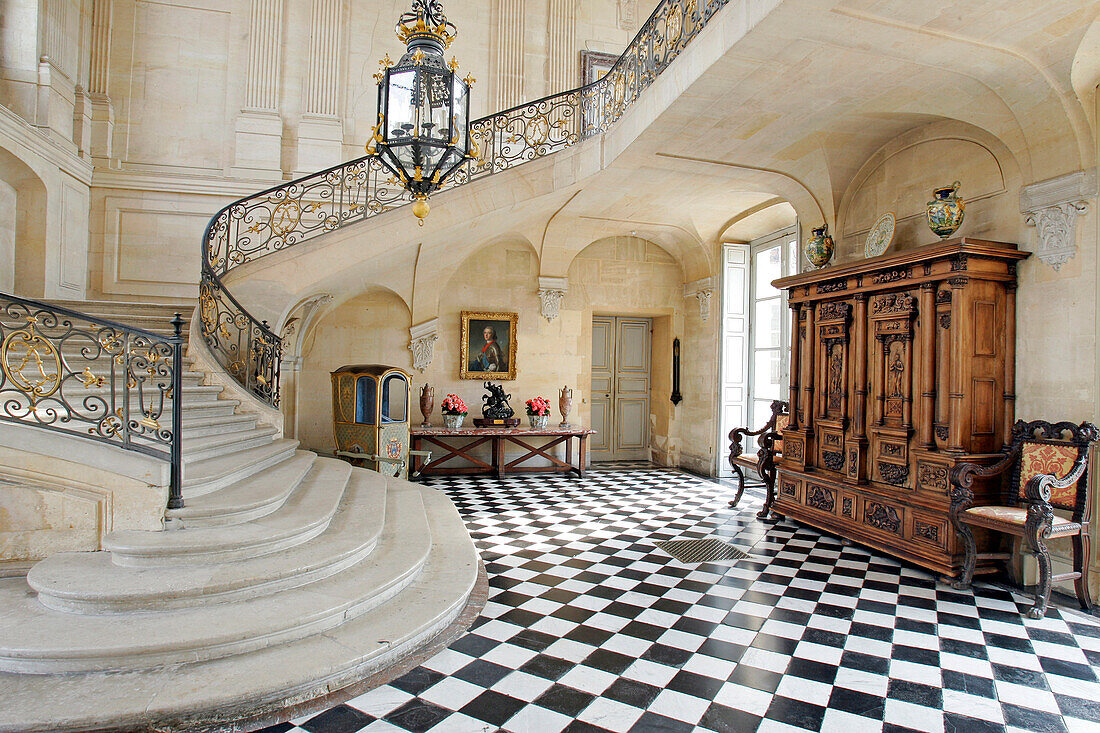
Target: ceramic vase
(453, 422)
(538, 422)
(819, 250)
(427, 404)
(565, 404)
(946, 211)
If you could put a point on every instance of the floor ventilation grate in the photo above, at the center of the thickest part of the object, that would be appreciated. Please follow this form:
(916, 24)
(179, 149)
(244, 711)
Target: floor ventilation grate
(696, 551)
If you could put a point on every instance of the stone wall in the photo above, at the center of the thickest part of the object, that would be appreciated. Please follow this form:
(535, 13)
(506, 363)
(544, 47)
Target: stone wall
(615, 276)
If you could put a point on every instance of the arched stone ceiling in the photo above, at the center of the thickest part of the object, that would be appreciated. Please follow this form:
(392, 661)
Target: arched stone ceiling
(792, 106)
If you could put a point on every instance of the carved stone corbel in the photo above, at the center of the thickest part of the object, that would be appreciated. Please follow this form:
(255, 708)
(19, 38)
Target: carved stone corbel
(703, 291)
(422, 340)
(551, 292)
(1052, 207)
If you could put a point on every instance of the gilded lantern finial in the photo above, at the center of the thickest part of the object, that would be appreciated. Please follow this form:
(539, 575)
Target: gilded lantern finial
(426, 20)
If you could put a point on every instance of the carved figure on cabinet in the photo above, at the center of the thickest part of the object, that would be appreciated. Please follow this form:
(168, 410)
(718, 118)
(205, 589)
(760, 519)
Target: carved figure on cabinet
(836, 375)
(897, 370)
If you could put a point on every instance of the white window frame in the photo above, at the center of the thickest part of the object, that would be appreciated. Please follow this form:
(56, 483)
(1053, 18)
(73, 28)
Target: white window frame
(790, 265)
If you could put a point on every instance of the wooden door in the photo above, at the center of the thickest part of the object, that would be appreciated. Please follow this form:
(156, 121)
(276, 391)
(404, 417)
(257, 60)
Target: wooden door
(620, 388)
(603, 376)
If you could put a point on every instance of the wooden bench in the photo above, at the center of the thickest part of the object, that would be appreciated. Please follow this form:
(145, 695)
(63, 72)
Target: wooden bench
(770, 442)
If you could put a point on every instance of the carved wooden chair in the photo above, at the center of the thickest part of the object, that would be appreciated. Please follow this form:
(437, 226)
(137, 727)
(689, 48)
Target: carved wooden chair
(1043, 469)
(770, 442)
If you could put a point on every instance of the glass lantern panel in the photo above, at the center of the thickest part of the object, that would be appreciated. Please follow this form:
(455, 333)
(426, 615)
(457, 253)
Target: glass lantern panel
(461, 113)
(395, 398)
(433, 100)
(400, 109)
(365, 395)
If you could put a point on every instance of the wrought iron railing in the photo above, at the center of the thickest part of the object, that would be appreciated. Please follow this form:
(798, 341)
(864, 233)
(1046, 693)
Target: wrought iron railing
(301, 210)
(87, 376)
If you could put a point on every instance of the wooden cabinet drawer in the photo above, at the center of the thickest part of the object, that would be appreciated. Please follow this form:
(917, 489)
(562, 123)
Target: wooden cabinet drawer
(790, 489)
(928, 529)
(821, 498)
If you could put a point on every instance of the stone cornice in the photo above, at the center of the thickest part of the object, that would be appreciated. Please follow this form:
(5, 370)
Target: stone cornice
(23, 133)
(233, 188)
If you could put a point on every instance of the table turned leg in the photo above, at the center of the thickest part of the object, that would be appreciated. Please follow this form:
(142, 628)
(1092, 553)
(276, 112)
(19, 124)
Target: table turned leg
(582, 454)
(498, 456)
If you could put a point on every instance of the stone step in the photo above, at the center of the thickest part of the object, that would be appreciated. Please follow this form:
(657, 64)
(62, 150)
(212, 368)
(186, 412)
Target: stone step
(124, 306)
(212, 474)
(90, 583)
(38, 641)
(212, 446)
(192, 392)
(248, 499)
(304, 515)
(202, 427)
(208, 695)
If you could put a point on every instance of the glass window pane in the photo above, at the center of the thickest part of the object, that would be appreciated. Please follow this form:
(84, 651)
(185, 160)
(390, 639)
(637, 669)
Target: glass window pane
(364, 400)
(767, 375)
(767, 315)
(394, 399)
(792, 257)
(768, 265)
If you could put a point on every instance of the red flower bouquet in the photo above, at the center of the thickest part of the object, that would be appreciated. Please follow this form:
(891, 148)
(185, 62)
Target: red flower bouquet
(453, 405)
(538, 406)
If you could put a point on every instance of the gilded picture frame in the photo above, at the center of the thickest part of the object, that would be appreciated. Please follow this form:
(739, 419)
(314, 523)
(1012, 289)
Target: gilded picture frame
(488, 346)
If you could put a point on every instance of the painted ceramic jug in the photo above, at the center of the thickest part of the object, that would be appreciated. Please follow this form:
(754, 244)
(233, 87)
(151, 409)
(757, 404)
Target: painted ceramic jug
(819, 250)
(946, 211)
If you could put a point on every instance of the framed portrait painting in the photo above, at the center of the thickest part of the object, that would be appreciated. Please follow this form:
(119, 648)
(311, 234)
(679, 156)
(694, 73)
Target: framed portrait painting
(488, 348)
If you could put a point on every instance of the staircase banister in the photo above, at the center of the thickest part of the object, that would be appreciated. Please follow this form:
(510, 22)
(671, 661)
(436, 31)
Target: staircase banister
(293, 212)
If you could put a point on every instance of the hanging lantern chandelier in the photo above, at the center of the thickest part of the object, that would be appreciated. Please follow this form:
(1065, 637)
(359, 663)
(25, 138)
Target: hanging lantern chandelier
(422, 135)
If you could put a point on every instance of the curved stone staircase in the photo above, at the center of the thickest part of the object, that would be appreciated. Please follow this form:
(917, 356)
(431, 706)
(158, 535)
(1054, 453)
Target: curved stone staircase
(285, 577)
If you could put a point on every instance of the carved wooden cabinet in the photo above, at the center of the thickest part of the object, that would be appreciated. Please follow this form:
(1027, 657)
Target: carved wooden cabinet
(901, 367)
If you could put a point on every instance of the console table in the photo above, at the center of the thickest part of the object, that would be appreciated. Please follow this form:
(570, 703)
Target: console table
(464, 440)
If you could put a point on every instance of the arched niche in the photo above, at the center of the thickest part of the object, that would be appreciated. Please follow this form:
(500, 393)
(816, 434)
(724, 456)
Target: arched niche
(370, 328)
(899, 177)
(625, 275)
(771, 216)
(22, 228)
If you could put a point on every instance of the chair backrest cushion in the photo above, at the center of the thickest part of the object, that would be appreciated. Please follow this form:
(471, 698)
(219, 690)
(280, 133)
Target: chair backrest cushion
(781, 423)
(1049, 458)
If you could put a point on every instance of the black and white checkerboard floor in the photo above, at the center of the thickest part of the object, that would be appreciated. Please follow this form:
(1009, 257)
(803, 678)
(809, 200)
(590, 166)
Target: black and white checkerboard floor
(590, 628)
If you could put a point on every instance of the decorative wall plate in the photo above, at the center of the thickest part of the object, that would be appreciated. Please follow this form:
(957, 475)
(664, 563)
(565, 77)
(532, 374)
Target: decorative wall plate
(881, 235)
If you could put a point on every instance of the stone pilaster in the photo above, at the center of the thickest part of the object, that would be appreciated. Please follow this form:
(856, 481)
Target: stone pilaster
(510, 30)
(101, 108)
(561, 32)
(320, 131)
(259, 134)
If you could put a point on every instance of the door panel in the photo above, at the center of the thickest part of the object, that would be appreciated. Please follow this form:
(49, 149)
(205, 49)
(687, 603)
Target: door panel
(620, 387)
(632, 416)
(601, 423)
(603, 364)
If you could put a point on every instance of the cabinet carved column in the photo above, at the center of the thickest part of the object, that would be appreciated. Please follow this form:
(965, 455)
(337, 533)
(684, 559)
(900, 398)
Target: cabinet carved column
(902, 366)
